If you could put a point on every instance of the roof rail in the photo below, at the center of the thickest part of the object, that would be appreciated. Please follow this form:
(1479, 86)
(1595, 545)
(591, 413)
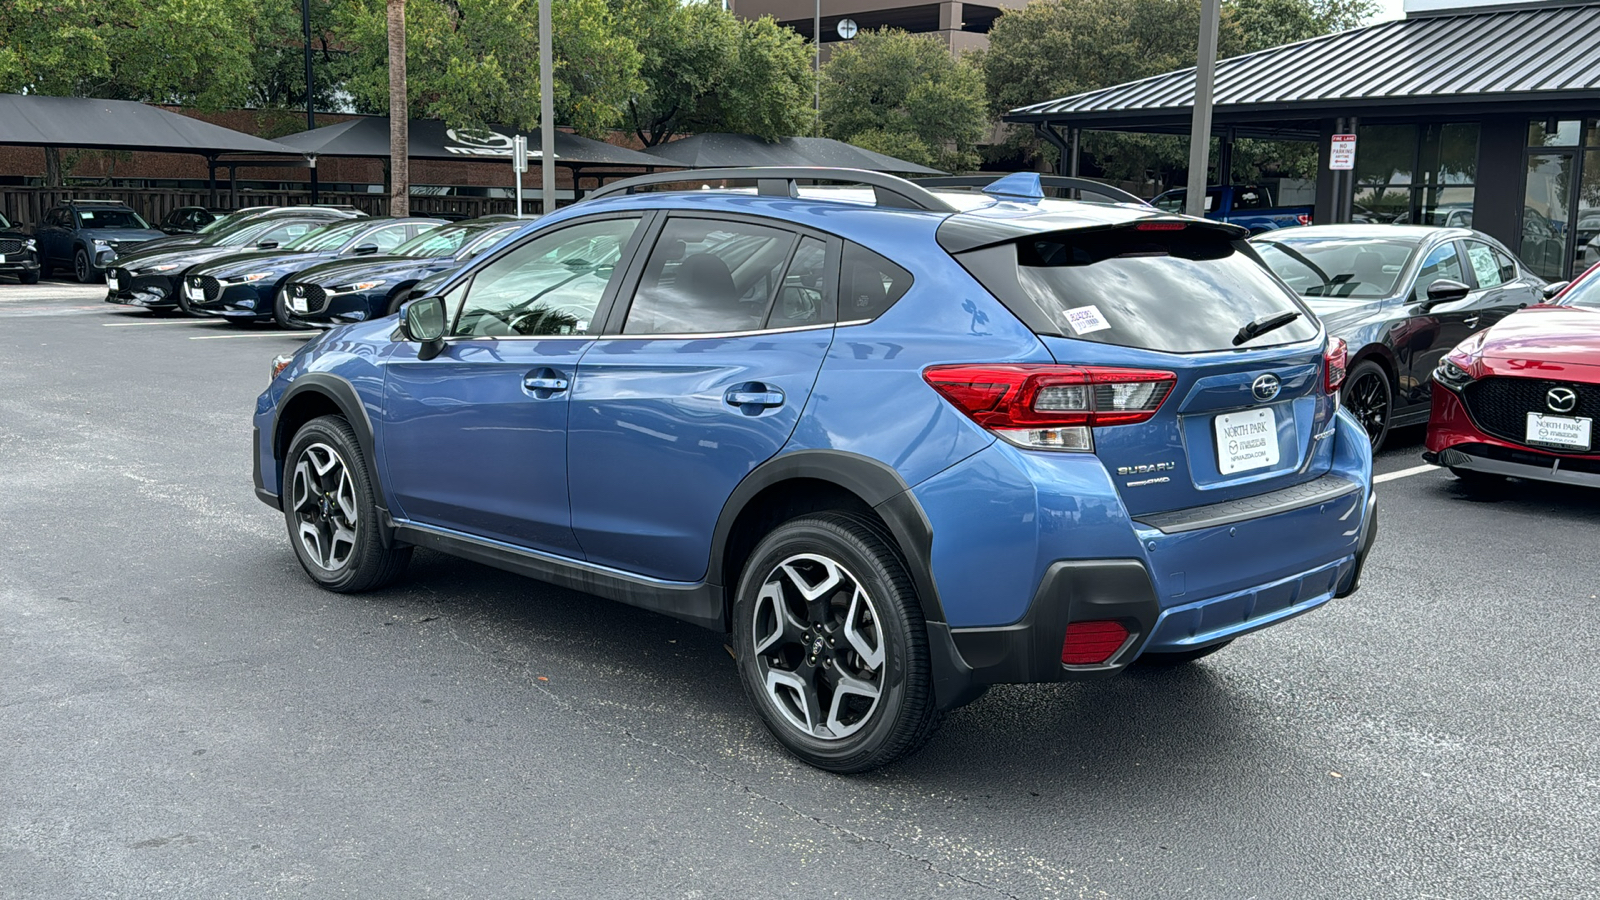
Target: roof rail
(781, 181)
(1065, 182)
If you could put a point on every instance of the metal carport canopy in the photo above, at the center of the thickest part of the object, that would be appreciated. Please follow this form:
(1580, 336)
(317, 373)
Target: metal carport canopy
(1429, 64)
(33, 120)
(368, 136)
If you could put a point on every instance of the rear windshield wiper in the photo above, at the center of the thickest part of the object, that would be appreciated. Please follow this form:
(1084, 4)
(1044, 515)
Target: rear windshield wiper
(1259, 327)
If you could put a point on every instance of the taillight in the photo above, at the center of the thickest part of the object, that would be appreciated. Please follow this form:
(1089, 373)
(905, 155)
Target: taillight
(1088, 643)
(1046, 407)
(1334, 360)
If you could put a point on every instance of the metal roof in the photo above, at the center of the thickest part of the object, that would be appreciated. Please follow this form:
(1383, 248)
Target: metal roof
(35, 120)
(368, 136)
(1462, 56)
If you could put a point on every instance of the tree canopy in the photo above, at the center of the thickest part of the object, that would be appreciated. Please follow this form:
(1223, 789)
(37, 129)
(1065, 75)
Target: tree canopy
(905, 95)
(703, 69)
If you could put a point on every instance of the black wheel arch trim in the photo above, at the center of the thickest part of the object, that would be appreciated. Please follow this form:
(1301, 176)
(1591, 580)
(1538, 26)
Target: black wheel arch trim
(343, 395)
(878, 485)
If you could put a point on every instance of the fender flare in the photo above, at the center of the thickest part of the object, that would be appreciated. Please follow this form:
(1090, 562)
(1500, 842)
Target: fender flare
(877, 484)
(342, 393)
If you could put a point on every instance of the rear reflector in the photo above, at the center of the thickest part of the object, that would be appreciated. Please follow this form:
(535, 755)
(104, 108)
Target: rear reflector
(1089, 643)
(1334, 360)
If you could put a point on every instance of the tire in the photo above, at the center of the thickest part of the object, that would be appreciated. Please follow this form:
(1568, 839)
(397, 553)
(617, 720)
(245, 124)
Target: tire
(30, 277)
(1180, 657)
(82, 268)
(331, 512)
(280, 314)
(396, 301)
(865, 632)
(1370, 398)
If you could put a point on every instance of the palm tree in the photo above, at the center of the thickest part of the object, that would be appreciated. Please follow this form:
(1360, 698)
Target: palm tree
(399, 116)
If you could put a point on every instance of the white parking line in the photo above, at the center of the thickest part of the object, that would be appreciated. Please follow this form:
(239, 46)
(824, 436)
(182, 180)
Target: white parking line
(1403, 473)
(223, 337)
(159, 322)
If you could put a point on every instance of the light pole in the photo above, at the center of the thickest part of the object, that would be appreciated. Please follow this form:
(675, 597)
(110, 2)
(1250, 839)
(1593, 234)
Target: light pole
(1205, 73)
(547, 112)
(311, 116)
(816, 71)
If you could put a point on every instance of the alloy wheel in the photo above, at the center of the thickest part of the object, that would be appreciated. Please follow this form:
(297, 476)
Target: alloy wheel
(80, 267)
(819, 647)
(323, 497)
(1368, 400)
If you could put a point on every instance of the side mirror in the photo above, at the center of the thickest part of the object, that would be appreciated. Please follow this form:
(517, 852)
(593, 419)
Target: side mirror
(1445, 291)
(267, 245)
(1550, 291)
(365, 250)
(423, 321)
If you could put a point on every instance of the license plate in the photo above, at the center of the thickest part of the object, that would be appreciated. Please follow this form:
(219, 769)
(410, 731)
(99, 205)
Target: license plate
(1558, 431)
(112, 283)
(2, 257)
(193, 293)
(299, 304)
(1247, 440)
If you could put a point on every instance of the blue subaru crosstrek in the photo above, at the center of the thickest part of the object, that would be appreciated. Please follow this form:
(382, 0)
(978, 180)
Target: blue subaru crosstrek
(902, 443)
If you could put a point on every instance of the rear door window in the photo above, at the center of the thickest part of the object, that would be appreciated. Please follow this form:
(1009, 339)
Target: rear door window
(707, 276)
(1178, 291)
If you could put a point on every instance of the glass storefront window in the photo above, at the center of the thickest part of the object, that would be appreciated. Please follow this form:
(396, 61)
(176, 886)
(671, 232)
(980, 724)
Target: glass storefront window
(1545, 212)
(1448, 154)
(1385, 154)
(1586, 246)
(1563, 133)
(1411, 174)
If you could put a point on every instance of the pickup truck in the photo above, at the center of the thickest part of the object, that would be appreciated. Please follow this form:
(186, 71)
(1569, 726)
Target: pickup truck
(1248, 205)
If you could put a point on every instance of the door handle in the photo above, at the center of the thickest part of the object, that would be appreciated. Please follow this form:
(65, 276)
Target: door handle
(545, 381)
(1471, 321)
(753, 397)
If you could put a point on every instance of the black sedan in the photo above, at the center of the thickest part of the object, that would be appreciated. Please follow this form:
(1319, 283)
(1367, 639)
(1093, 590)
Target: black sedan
(241, 287)
(190, 219)
(242, 217)
(1401, 296)
(19, 255)
(354, 290)
(151, 278)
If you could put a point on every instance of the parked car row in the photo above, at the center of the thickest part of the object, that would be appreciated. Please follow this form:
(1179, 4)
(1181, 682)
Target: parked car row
(300, 266)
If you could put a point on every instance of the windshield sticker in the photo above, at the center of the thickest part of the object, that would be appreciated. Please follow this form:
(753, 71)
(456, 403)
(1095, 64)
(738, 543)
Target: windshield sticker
(1085, 319)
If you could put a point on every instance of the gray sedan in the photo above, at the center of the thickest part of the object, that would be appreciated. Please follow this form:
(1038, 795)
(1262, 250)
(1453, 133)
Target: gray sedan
(1401, 296)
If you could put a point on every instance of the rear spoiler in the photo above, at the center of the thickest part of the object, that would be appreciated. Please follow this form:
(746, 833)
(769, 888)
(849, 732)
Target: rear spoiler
(972, 231)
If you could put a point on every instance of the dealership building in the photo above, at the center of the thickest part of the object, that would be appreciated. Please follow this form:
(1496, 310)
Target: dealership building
(1485, 115)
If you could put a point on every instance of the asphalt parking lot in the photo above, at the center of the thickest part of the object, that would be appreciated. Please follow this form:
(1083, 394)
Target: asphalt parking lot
(182, 714)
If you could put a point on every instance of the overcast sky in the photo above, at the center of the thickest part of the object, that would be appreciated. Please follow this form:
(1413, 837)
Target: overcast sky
(1389, 9)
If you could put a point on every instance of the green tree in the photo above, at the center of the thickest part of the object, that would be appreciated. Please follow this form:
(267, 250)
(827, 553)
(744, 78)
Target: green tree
(1057, 48)
(193, 52)
(279, 60)
(905, 95)
(704, 70)
(474, 62)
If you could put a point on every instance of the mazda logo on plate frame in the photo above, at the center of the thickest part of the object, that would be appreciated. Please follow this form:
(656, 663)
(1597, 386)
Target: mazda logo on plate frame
(1266, 387)
(1561, 400)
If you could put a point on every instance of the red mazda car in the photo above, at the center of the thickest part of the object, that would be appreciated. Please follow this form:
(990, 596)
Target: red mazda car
(1521, 398)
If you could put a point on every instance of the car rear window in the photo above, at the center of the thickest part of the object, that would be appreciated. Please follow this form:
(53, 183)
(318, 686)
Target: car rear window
(1179, 291)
